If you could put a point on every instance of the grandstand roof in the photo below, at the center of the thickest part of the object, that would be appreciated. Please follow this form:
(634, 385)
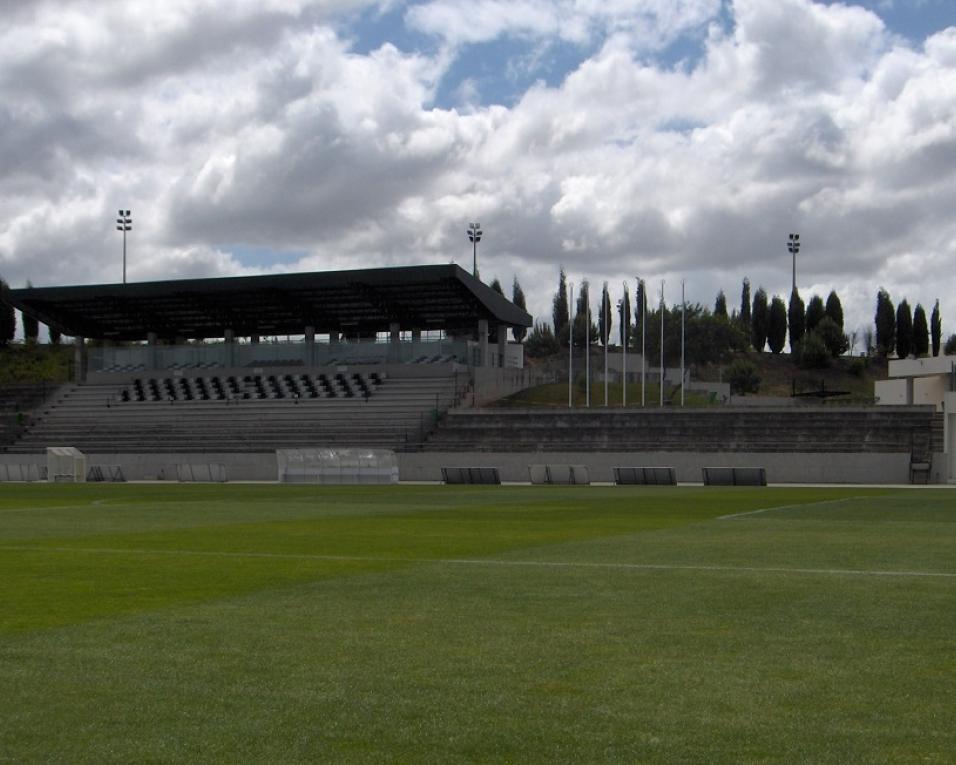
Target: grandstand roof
(364, 301)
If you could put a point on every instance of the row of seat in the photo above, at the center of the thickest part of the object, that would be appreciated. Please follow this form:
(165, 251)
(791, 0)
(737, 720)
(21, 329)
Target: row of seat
(235, 388)
(872, 430)
(438, 358)
(89, 417)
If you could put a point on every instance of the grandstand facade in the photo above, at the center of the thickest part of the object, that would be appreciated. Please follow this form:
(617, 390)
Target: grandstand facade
(172, 374)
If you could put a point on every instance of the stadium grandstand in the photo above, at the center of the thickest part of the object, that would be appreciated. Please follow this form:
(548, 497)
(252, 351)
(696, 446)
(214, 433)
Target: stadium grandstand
(193, 372)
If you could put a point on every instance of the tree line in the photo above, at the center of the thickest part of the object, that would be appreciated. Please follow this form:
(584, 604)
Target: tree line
(815, 330)
(906, 332)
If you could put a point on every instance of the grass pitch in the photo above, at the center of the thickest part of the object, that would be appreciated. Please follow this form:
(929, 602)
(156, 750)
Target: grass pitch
(490, 624)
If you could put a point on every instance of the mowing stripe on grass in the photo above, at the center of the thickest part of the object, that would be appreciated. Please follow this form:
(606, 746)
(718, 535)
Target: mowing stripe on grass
(789, 507)
(489, 562)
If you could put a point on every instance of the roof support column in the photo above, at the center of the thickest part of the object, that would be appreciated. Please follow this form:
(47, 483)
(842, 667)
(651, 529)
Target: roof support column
(909, 390)
(310, 345)
(79, 359)
(482, 342)
(230, 337)
(415, 351)
(394, 342)
(502, 343)
(152, 341)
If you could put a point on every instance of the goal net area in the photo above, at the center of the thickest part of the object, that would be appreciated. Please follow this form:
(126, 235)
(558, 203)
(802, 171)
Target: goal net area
(65, 463)
(331, 465)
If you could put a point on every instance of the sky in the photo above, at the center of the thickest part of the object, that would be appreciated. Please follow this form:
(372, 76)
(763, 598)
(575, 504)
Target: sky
(674, 140)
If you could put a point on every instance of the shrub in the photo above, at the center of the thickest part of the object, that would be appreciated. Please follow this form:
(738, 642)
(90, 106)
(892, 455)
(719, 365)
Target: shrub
(814, 353)
(950, 348)
(541, 342)
(832, 336)
(743, 376)
(857, 367)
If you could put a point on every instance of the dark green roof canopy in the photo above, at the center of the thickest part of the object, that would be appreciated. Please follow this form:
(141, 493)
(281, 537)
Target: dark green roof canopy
(416, 297)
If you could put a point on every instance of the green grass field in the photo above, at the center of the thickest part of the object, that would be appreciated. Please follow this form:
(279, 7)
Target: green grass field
(254, 623)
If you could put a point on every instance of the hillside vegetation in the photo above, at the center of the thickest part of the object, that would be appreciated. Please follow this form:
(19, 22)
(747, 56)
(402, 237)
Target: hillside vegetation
(35, 363)
(777, 376)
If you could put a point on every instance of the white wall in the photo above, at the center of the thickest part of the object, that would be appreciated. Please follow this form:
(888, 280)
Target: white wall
(926, 390)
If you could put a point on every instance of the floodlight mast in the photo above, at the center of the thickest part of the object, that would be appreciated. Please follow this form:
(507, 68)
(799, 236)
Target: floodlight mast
(474, 236)
(124, 223)
(794, 246)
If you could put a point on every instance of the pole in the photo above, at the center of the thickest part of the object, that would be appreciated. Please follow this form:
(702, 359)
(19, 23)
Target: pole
(124, 254)
(587, 347)
(625, 326)
(474, 258)
(641, 288)
(571, 346)
(606, 308)
(683, 311)
(661, 386)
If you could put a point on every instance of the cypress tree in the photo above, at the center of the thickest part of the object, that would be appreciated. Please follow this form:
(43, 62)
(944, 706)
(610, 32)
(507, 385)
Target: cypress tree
(936, 328)
(815, 312)
(624, 313)
(720, 305)
(759, 320)
(777, 325)
(745, 305)
(904, 330)
(517, 297)
(560, 315)
(496, 286)
(920, 332)
(604, 320)
(8, 318)
(582, 318)
(640, 308)
(796, 321)
(885, 321)
(834, 309)
(54, 336)
(31, 327)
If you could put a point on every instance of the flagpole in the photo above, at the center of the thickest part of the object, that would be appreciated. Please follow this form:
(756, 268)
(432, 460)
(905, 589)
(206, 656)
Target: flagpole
(606, 310)
(683, 310)
(571, 346)
(625, 326)
(641, 288)
(587, 346)
(662, 345)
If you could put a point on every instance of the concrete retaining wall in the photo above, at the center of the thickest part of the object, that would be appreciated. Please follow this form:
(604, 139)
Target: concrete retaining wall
(820, 467)
(426, 466)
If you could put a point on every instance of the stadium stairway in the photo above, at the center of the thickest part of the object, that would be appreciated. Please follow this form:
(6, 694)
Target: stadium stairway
(252, 414)
(813, 429)
(17, 403)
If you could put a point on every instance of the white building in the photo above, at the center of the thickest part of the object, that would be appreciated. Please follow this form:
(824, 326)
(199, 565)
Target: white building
(925, 381)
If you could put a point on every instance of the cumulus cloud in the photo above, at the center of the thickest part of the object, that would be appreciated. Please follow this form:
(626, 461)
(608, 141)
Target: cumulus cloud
(267, 129)
(651, 23)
